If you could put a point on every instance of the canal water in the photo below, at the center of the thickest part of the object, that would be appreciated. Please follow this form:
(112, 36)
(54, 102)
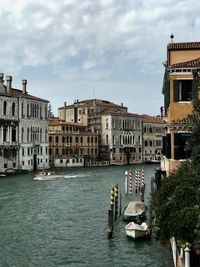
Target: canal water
(63, 222)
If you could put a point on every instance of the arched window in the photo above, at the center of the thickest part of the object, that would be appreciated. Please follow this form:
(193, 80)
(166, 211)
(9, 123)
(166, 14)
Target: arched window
(57, 139)
(13, 109)
(28, 135)
(50, 139)
(50, 151)
(4, 107)
(63, 139)
(22, 136)
(150, 143)
(81, 139)
(77, 139)
(145, 143)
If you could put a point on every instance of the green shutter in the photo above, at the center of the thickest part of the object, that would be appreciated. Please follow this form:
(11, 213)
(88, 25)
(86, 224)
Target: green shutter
(176, 90)
(168, 146)
(167, 94)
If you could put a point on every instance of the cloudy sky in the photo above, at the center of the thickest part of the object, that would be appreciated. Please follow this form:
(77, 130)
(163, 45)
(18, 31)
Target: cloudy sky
(81, 49)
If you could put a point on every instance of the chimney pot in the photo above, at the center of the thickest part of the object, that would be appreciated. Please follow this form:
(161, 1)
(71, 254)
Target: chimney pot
(9, 83)
(24, 83)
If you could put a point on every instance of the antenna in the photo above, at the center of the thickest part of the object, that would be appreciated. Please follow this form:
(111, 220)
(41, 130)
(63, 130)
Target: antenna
(172, 37)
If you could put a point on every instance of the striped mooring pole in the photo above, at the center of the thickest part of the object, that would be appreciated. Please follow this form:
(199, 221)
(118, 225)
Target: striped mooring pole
(142, 177)
(135, 180)
(116, 201)
(138, 180)
(130, 182)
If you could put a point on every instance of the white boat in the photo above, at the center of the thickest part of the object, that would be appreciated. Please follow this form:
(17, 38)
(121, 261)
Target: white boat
(40, 176)
(134, 230)
(135, 212)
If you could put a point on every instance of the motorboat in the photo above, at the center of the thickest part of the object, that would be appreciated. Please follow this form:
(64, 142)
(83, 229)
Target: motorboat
(47, 175)
(135, 212)
(135, 230)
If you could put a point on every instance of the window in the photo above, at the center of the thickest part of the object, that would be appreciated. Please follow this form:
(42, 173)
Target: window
(4, 134)
(4, 107)
(13, 109)
(182, 90)
(13, 135)
(181, 146)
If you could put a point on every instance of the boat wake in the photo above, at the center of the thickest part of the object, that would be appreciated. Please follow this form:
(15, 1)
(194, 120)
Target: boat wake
(75, 176)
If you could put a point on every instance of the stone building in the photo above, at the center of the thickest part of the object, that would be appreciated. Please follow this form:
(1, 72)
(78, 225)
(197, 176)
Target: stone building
(24, 129)
(121, 137)
(179, 90)
(72, 144)
(153, 130)
(87, 112)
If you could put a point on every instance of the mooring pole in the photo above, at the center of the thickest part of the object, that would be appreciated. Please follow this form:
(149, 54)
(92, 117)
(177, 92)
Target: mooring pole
(120, 205)
(126, 182)
(110, 223)
(116, 201)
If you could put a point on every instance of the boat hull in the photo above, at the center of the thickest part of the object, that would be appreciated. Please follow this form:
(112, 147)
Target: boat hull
(136, 231)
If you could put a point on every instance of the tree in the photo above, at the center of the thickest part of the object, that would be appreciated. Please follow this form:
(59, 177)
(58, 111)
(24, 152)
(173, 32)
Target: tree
(177, 205)
(50, 113)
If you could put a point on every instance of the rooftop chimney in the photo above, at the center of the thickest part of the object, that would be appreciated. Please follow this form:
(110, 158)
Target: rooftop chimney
(65, 104)
(24, 83)
(9, 83)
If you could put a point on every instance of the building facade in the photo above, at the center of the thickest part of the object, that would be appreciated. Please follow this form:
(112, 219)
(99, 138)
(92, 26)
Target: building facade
(153, 130)
(72, 144)
(24, 129)
(121, 137)
(179, 90)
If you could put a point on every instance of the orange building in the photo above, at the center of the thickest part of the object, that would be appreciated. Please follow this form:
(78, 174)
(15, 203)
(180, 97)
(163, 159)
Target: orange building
(179, 90)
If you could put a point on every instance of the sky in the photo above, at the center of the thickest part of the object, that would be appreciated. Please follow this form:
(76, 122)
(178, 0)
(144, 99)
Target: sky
(84, 49)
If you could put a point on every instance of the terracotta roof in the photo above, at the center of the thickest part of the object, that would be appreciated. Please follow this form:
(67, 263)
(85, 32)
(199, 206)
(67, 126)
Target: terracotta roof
(182, 122)
(187, 64)
(90, 102)
(56, 121)
(19, 93)
(118, 112)
(180, 46)
(151, 119)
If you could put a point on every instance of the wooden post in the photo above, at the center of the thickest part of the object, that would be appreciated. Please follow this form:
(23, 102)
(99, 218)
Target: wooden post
(120, 205)
(116, 201)
(110, 223)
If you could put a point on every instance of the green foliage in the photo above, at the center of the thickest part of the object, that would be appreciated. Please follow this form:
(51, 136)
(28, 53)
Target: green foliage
(177, 204)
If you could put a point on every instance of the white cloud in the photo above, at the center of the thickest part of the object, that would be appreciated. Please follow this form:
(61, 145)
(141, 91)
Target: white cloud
(101, 39)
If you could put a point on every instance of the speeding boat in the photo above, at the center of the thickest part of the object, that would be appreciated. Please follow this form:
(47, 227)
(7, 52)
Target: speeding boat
(47, 176)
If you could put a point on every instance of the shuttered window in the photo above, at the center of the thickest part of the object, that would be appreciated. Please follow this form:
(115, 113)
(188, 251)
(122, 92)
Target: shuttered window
(182, 90)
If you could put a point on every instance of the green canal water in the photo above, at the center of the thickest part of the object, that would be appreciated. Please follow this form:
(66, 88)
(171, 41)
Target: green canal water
(63, 222)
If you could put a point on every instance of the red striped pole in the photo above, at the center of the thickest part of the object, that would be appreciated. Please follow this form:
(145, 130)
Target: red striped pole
(130, 182)
(138, 180)
(135, 180)
(142, 177)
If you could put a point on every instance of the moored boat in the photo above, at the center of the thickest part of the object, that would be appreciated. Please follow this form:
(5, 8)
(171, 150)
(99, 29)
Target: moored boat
(135, 231)
(135, 212)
